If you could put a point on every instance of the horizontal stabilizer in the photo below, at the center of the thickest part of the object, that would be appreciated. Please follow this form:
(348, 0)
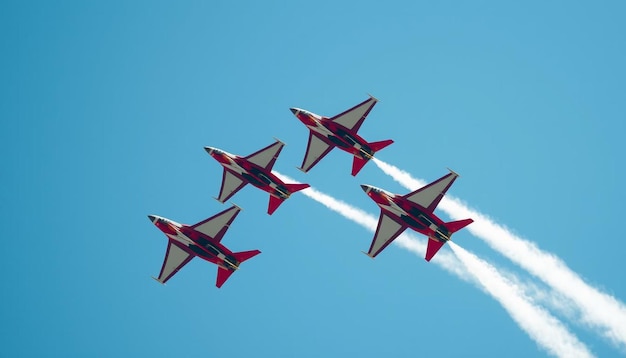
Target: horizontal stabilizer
(245, 255)
(357, 164)
(432, 248)
(292, 188)
(376, 146)
(455, 226)
(222, 275)
(274, 204)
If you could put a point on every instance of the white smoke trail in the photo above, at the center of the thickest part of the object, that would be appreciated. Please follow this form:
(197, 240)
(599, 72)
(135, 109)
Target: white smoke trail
(598, 310)
(520, 308)
(547, 331)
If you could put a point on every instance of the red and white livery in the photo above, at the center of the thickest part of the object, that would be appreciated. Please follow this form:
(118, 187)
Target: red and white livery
(256, 169)
(339, 131)
(416, 211)
(203, 240)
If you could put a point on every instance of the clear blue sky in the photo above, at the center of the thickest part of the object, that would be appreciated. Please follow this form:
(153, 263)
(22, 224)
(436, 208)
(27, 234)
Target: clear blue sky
(106, 108)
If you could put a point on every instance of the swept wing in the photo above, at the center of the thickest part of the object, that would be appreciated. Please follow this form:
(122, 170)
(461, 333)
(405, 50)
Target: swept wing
(354, 117)
(387, 230)
(176, 256)
(430, 195)
(217, 225)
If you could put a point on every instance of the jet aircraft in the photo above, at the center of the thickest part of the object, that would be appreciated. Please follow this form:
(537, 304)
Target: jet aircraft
(339, 131)
(203, 240)
(416, 211)
(256, 169)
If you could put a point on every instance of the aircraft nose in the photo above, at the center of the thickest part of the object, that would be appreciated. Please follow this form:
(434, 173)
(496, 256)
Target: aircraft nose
(294, 110)
(151, 217)
(366, 188)
(209, 150)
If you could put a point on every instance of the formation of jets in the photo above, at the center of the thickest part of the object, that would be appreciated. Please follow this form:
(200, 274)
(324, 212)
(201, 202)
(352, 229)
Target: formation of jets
(397, 212)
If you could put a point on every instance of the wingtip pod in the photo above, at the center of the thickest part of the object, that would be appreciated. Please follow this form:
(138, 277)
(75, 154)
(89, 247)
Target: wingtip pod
(372, 97)
(453, 172)
(157, 280)
(279, 141)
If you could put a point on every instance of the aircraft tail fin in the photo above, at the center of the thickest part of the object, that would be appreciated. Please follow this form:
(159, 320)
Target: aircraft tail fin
(245, 255)
(376, 146)
(222, 275)
(276, 201)
(357, 164)
(432, 248)
(454, 226)
(292, 188)
(274, 204)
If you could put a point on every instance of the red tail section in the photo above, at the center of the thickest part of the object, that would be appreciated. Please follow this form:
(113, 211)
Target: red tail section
(292, 188)
(435, 245)
(357, 164)
(245, 255)
(223, 274)
(432, 248)
(455, 226)
(275, 202)
(376, 146)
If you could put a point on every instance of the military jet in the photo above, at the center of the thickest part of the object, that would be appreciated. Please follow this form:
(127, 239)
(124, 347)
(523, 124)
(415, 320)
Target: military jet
(416, 211)
(203, 240)
(256, 169)
(339, 131)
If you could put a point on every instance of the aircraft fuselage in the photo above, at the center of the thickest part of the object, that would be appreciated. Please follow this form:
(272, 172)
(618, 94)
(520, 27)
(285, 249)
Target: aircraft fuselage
(201, 245)
(335, 133)
(409, 213)
(252, 173)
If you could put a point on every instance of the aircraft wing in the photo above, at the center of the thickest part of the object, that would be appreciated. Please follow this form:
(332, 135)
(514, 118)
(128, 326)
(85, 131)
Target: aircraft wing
(231, 184)
(176, 257)
(354, 117)
(267, 156)
(430, 195)
(388, 230)
(216, 226)
(316, 149)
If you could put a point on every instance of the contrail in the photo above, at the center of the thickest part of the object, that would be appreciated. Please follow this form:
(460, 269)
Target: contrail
(520, 308)
(598, 310)
(547, 331)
